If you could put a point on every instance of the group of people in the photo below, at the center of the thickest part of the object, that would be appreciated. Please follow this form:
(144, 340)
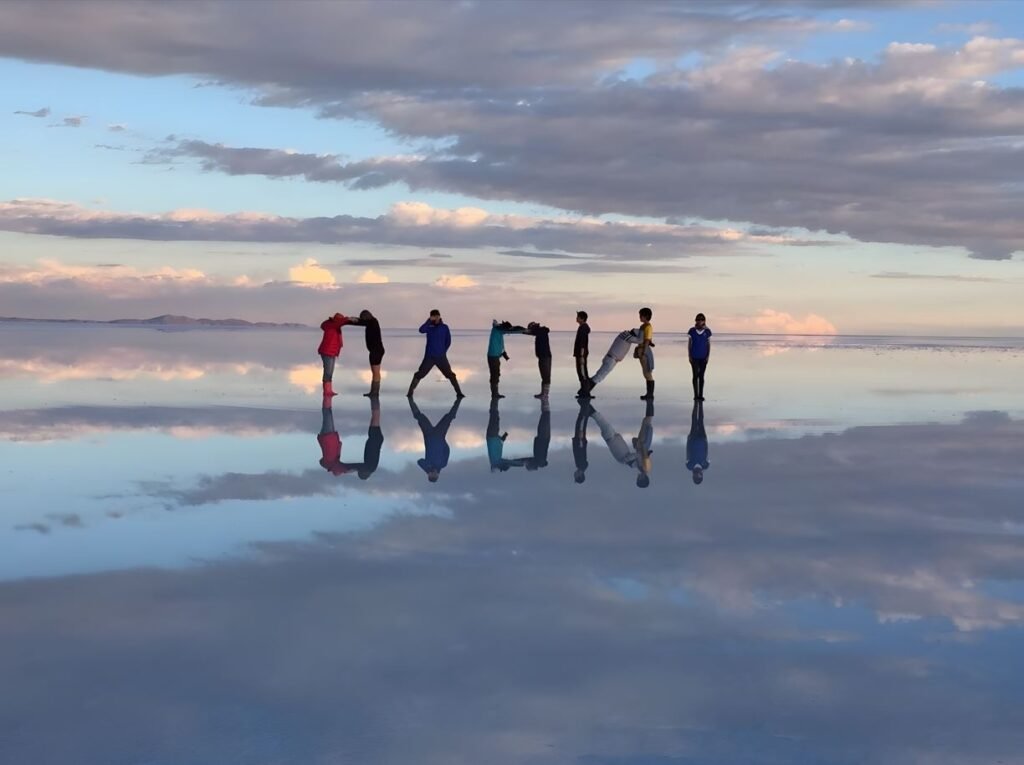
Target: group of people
(634, 454)
(439, 340)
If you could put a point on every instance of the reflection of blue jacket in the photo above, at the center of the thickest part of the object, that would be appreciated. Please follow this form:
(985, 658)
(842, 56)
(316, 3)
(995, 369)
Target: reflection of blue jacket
(697, 442)
(435, 446)
(439, 338)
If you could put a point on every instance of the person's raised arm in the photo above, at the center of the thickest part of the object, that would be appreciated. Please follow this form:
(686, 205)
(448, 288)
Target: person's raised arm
(425, 326)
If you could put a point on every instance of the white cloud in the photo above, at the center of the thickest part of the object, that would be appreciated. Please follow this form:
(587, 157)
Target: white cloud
(372, 277)
(770, 321)
(454, 282)
(310, 273)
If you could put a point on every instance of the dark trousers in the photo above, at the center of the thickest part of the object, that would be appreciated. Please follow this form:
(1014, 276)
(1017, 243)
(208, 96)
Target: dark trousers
(581, 370)
(429, 362)
(494, 367)
(544, 365)
(698, 366)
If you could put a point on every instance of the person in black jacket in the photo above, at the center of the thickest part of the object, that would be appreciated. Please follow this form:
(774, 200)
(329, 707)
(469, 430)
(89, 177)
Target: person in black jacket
(581, 349)
(542, 347)
(375, 345)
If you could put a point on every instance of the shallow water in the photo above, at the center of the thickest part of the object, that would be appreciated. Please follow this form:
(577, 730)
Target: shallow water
(183, 582)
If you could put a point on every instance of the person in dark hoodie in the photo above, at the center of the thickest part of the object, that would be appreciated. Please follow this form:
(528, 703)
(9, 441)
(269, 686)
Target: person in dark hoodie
(542, 347)
(371, 450)
(375, 346)
(581, 349)
(435, 445)
(439, 340)
(330, 348)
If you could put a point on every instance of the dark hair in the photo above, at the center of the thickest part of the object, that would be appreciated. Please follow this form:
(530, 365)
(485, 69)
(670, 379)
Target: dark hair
(646, 314)
(701, 317)
(364, 315)
(582, 315)
(643, 481)
(434, 312)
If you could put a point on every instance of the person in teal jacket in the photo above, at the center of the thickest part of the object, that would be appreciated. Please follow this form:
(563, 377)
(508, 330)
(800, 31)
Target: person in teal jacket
(496, 351)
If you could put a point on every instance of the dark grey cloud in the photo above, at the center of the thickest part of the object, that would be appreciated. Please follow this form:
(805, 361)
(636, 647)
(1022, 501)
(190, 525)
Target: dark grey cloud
(70, 122)
(44, 112)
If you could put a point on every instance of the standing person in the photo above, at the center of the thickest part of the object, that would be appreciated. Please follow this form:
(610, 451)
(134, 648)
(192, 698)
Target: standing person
(330, 348)
(579, 442)
(616, 353)
(645, 353)
(581, 349)
(496, 351)
(375, 346)
(435, 440)
(697, 444)
(439, 340)
(699, 351)
(542, 347)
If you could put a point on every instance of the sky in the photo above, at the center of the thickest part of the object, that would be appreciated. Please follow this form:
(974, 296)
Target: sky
(819, 168)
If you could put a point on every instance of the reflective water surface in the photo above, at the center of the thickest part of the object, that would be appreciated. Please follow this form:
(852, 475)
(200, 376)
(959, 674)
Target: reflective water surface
(201, 564)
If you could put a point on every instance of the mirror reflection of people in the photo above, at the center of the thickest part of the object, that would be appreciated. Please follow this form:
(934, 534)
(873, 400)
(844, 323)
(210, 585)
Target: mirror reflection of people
(496, 440)
(439, 340)
(541, 443)
(616, 353)
(621, 451)
(435, 444)
(374, 442)
(579, 441)
(375, 347)
(697, 444)
(330, 442)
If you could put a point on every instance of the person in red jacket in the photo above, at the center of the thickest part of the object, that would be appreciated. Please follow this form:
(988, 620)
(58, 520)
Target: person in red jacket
(330, 347)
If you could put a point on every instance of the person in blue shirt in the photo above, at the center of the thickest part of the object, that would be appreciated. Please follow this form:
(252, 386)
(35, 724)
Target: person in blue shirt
(439, 340)
(697, 444)
(699, 351)
(435, 444)
(496, 351)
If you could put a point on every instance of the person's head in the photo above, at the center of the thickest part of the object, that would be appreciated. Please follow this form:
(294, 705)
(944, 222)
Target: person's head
(581, 317)
(643, 481)
(646, 314)
(698, 475)
(363, 473)
(435, 316)
(365, 315)
(338, 316)
(532, 326)
(699, 320)
(433, 474)
(579, 476)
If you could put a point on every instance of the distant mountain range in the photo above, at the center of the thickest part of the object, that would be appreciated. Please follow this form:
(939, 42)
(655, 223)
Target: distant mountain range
(167, 320)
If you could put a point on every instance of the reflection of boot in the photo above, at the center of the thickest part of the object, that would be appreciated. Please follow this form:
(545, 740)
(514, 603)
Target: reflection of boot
(650, 408)
(329, 388)
(412, 385)
(374, 389)
(650, 391)
(544, 390)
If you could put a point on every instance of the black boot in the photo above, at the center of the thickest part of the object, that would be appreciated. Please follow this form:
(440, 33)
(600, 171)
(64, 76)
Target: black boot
(412, 386)
(458, 390)
(649, 396)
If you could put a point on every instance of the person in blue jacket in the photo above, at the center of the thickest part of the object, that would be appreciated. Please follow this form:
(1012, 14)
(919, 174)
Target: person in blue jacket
(699, 351)
(435, 444)
(697, 444)
(439, 340)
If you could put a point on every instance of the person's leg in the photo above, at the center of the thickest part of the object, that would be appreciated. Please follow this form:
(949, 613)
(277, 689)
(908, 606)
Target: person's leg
(645, 367)
(327, 420)
(607, 365)
(695, 371)
(581, 371)
(425, 366)
(702, 366)
(328, 384)
(494, 367)
(445, 368)
(544, 365)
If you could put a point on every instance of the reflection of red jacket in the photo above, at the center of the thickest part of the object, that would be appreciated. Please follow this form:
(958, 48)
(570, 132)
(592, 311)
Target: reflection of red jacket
(330, 445)
(331, 344)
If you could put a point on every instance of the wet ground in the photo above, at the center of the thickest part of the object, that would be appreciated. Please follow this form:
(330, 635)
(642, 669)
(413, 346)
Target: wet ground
(182, 580)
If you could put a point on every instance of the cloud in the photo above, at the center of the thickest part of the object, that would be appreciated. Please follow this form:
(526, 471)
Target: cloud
(117, 127)
(407, 223)
(44, 112)
(70, 122)
(311, 274)
(454, 282)
(770, 321)
(372, 277)
(902, 275)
